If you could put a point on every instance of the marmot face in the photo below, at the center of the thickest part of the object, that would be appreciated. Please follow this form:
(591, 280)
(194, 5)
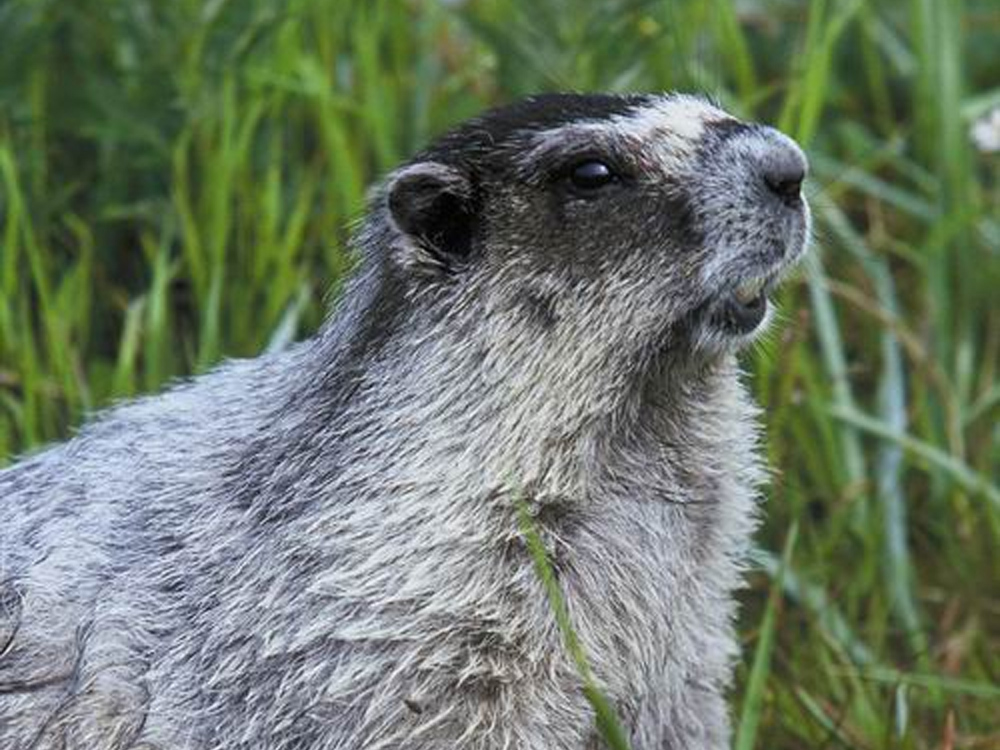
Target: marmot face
(652, 222)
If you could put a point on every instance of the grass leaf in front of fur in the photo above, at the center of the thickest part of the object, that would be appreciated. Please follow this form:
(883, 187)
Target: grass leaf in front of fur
(604, 714)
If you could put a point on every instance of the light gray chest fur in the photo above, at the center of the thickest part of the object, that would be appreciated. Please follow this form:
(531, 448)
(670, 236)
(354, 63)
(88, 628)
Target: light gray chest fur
(389, 601)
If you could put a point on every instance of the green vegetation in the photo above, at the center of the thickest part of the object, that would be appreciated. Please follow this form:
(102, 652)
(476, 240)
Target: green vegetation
(177, 180)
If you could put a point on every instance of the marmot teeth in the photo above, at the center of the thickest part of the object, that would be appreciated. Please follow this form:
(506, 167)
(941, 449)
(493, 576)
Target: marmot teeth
(749, 290)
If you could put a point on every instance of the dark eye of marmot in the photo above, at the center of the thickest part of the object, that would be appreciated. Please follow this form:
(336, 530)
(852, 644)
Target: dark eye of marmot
(590, 176)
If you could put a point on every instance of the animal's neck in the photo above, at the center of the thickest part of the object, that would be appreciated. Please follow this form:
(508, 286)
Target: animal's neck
(504, 407)
(470, 403)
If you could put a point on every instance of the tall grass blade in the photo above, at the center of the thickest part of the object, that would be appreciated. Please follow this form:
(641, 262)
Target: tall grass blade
(753, 700)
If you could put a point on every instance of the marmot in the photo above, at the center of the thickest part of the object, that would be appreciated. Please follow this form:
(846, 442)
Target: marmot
(320, 548)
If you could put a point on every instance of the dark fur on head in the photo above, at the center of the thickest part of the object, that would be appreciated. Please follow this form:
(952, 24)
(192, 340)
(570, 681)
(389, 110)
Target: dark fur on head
(320, 549)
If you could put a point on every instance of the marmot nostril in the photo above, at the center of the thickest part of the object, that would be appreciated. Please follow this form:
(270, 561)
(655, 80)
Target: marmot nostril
(788, 188)
(783, 174)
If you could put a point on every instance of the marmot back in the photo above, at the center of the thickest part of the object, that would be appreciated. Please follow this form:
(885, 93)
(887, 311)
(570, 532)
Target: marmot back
(320, 548)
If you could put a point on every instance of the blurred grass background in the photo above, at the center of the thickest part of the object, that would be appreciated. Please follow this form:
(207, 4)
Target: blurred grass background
(177, 181)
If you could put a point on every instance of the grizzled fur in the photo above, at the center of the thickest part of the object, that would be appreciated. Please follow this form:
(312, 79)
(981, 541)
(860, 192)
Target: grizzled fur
(319, 548)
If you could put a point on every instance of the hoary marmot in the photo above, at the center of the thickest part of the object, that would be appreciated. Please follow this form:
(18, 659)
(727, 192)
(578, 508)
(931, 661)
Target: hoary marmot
(320, 548)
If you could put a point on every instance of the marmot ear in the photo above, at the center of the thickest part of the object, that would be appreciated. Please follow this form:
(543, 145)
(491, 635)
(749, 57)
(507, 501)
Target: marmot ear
(431, 206)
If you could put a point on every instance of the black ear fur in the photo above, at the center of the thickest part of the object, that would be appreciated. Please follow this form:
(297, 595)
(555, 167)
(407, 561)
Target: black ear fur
(431, 205)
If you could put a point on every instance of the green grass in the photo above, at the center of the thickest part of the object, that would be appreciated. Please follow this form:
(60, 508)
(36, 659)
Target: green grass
(177, 181)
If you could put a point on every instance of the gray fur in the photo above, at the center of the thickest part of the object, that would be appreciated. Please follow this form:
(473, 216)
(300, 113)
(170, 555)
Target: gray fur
(319, 548)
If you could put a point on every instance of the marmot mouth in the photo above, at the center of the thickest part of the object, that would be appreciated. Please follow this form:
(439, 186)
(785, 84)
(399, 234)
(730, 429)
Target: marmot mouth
(740, 313)
(741, 310)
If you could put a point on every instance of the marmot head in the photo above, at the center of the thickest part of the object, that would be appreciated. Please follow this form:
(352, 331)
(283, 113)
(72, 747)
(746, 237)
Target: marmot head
(623, 224)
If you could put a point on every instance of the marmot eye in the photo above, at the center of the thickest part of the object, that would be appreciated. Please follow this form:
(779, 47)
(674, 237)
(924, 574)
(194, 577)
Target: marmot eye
(591, 175)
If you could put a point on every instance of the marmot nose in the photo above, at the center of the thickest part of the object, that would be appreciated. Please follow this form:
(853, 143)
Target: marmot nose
(783, 168)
